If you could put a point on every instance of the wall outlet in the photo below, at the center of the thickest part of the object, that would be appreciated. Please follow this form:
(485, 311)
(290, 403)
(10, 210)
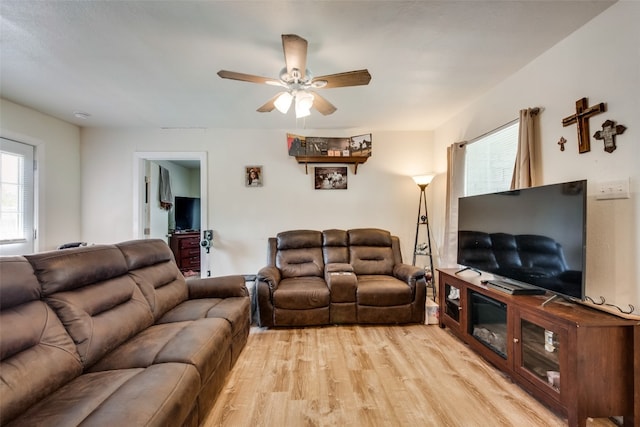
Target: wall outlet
(613, 190)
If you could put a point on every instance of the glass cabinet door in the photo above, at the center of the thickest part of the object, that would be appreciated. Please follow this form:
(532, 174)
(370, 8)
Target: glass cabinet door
(452, 306)
(540, 348)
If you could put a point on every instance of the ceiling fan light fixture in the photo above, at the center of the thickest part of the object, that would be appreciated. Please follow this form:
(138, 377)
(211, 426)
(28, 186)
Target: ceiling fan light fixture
(283, 102)
(304, 102)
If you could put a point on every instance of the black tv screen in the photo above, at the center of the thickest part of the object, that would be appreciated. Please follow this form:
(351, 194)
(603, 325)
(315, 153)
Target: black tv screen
(187, 213)
(533, 236)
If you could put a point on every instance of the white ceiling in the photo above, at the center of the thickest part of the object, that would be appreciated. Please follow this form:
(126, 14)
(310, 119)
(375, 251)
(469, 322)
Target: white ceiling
(153, 64)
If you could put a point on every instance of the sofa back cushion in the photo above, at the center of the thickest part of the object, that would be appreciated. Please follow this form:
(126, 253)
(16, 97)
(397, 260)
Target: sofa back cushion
(371, 251)
(98, 303)
(37, 356)
(152, 267)
(299, 253)
(335, 246)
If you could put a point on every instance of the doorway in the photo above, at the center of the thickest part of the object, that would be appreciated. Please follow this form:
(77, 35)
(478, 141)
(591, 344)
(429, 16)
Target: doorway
(149, 221)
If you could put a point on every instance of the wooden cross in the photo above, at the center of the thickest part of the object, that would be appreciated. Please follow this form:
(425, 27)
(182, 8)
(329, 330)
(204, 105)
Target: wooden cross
(608, 133)
(581, 119)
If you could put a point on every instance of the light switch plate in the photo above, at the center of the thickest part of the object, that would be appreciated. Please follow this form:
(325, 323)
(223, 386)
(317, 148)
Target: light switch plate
(613, 190)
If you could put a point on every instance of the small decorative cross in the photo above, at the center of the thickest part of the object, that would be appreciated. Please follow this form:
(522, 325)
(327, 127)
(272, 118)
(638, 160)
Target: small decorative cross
(581, 119)
(608, 135)
(561, 143)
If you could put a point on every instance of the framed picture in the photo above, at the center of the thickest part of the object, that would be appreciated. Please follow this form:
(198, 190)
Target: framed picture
(331, 178)
(253, 176)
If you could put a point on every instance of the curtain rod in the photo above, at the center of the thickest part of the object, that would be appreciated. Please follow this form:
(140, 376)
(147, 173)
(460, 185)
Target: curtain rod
(533, 111)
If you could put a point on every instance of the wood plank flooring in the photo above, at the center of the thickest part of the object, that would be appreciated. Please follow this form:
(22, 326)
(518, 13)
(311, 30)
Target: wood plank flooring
(415, 375)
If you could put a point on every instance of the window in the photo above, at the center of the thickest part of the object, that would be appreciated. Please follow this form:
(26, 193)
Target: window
(490, 160)
(16, 198)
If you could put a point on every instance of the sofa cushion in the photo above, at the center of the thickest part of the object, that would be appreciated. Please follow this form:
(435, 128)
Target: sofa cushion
(161, 395)
(370, 251)
(298, 239)
(302, 293)
(37, 356)
(162, 285)
(98, 303)
(299, 253)
(142, 253)
(234, 310)
(335, 246)
(202, 343)
(382, 291)
(152, 267)
(69, 269)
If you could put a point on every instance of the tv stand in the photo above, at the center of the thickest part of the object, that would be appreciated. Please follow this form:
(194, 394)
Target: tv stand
(576, 360)
(550, 299)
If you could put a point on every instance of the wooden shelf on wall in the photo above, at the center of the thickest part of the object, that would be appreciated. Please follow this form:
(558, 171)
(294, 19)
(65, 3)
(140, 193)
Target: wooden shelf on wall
(351, 160)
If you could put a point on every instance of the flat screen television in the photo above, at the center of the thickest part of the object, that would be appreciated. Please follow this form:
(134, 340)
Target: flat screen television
(531, 239)
(187, 213)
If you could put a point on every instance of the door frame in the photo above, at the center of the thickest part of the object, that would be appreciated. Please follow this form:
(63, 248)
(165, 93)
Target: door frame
(140, 157)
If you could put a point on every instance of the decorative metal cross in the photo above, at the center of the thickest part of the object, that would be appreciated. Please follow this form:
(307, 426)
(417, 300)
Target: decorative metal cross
(581, 119)
(561, 143)
(608, 133)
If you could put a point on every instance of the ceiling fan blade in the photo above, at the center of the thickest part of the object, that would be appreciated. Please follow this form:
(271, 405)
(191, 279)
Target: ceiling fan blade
(246, 77)
(322, 105)
(269, 105)
(295, 53)
(350, 78)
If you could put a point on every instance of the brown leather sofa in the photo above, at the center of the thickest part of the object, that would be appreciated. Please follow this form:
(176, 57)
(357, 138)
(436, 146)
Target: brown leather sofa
(338, 276)
(113, 335)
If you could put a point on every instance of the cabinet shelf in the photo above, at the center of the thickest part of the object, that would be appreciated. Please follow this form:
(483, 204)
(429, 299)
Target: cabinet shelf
(350, 160)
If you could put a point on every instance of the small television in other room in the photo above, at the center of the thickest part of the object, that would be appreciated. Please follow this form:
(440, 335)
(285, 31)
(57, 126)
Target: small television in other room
(187, 213)
(529, 239)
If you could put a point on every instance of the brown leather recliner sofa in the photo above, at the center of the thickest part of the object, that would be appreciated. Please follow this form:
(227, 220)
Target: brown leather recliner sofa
(113, 335)
(337, 276)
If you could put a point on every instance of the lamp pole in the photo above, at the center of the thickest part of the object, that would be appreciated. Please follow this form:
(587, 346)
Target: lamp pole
(423, 219)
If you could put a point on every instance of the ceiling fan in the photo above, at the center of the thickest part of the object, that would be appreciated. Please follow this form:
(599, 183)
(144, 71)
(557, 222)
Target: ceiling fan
(299, 83)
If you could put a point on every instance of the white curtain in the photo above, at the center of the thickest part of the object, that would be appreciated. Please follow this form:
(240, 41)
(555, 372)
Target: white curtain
(524, 171)
(455, 189)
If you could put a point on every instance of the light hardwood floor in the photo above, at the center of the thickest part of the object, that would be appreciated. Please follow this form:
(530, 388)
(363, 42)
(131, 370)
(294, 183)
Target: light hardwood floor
(414, 375)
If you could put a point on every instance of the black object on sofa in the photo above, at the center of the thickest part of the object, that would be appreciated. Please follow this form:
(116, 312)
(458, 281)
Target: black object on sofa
(534, 259)
(113, 335)
(338, 276)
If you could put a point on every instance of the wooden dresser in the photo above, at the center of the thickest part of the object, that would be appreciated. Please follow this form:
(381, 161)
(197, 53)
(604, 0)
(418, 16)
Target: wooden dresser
(186, 250)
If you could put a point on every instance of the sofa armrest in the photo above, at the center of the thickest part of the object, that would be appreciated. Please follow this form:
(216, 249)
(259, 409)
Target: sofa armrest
(408, 273)
(269, 275)
(217, 287)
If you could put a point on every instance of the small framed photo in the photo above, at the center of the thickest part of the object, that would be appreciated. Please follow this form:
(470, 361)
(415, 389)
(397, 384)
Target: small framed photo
(253, 176)
(331, 178)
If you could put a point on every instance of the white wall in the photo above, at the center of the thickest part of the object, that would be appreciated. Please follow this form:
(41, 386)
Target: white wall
(59, 173)
(600, 61)
(382, 193)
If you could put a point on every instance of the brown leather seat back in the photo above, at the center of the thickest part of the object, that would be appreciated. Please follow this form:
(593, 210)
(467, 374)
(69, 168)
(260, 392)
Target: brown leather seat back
(37, 356)
(371, 251)
(335, 246)
(299, 253)
(151, 266)
(90, 291)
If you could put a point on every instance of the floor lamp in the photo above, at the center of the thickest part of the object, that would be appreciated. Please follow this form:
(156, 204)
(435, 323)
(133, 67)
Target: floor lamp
(424, 249)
